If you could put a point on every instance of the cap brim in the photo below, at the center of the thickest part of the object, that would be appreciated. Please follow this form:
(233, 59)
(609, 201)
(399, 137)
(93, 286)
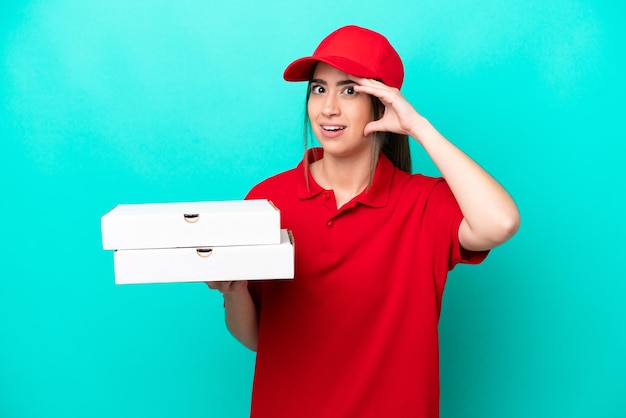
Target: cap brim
(300, 69)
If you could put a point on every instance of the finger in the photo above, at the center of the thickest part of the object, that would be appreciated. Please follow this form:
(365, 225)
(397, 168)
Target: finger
(241, 285)
(389, 96)
(372, 86)
(374, 126)
(369, 89)
(219, 286)
(368, 81)
(236, 286)
(233, 286)
(229, 286)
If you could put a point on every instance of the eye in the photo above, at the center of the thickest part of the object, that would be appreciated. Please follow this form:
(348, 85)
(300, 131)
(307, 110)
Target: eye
(317, 89)
(349, 91)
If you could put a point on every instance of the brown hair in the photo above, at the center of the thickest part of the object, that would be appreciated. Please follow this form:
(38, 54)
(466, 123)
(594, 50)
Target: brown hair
(394, 146)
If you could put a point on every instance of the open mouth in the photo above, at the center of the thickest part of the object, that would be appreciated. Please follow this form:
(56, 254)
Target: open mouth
(333, 128)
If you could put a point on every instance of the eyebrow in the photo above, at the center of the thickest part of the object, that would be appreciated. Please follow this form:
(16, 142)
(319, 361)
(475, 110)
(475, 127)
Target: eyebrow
(339, 83)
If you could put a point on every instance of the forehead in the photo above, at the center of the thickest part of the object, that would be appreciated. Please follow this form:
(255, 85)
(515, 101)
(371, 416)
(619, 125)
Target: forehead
(325, 71)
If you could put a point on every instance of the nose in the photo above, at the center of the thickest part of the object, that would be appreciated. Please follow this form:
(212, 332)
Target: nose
(331, 106)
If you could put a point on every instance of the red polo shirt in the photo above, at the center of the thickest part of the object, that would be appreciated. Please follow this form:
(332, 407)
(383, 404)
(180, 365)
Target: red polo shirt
(355, 333)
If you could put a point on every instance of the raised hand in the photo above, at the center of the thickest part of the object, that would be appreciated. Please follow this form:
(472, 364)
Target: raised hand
(400, 116)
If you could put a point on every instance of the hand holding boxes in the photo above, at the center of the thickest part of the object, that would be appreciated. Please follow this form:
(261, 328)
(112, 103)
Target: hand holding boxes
(198, 242)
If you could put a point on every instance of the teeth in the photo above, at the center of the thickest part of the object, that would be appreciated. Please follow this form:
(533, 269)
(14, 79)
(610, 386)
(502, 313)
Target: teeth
(332, 128)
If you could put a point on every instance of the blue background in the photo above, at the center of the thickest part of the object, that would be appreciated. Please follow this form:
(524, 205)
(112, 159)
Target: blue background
(137, 101)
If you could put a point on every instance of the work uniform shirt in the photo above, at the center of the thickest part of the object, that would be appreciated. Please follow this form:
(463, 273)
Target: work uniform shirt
(354, 334)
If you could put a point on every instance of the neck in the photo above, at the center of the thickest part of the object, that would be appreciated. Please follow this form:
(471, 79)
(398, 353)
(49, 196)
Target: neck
(347, 177)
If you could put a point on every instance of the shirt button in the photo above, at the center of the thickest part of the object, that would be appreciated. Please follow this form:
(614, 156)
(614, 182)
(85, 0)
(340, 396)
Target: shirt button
(326, 195)
(330, 224)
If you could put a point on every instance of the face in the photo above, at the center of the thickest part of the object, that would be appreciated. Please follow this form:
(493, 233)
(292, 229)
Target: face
(338, 114)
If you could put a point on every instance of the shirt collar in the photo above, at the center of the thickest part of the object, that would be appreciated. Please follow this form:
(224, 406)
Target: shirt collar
(376, 195)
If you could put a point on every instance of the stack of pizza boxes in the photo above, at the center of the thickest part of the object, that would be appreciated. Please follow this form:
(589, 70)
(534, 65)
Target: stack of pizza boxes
(198, 242)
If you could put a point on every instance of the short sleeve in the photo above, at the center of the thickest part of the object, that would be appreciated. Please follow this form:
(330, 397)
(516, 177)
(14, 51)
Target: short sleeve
(447, 218)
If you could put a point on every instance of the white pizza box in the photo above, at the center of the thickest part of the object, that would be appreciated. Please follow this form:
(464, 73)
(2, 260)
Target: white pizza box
(237, 262)
(191, 224)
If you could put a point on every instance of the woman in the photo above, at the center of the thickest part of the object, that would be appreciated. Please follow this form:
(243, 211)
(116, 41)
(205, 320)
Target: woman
(355, 333)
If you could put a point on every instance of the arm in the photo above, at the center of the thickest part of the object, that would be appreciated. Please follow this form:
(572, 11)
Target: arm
(490, 215)
(241, 315)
